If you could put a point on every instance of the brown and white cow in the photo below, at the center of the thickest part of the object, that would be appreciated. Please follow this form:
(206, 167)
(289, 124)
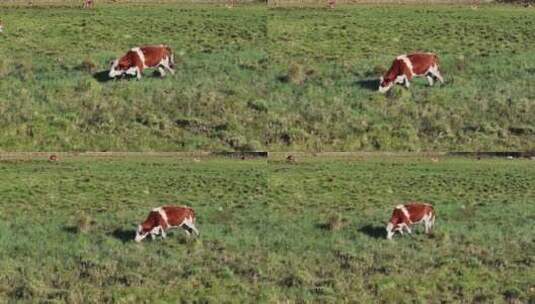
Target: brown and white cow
(405, 67)
(164, 218)
(409, 214)
(331, 4)
(139, 58)
(88, 4)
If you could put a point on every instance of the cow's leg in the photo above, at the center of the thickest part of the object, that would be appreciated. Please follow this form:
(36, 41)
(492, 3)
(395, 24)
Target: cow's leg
(431, 222)
(407, 228)
(436, 73)
(193, 228)
(187, 229)
(138, 72)
(162, 232)
(403, 80)
(167, 64)
(155, 231)
(189, 226)
(430, 80)
(162, 71)
(427, 223)
(131, 71)
(407, 83)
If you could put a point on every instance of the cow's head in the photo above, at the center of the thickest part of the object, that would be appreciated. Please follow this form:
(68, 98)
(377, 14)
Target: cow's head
(1, 26)
(116, 69)
(122, 67)
(385, 84)
(395, 224)
(141, 233)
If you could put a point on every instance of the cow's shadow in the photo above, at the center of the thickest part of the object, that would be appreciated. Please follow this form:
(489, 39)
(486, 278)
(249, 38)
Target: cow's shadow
(377, 232)
(124, 235)
(70, 229)
(369, 84)
(103, 76)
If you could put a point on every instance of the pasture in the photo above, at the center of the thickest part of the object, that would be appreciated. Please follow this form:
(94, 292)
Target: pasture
(271, 231)
(254, 78)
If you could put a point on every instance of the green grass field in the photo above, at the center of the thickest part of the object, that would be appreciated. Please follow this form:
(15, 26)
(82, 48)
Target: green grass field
(304, 232)
(253, 78)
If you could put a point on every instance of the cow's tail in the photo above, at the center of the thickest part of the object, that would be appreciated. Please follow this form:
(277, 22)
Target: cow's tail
(171, 57)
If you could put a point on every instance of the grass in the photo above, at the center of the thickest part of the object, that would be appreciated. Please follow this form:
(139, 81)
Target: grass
(253, 78)
(311, 230)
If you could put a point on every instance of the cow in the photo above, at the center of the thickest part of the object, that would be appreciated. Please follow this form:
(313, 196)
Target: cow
(164, 218)
(331, 4)
(409, 214)
(1, 27)
(139, 58)
(88, 4)
(405, 67)
(231, 3)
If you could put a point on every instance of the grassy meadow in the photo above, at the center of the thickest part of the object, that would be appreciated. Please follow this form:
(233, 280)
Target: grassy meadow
(254, 78)
(271, 231)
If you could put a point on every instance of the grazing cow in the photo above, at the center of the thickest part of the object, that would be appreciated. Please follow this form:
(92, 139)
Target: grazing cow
(231, 3)
(88, 4)
(405, 67)
(331, 3)
(164, 218)
(1, 26)
(413, 213)
(139, 58)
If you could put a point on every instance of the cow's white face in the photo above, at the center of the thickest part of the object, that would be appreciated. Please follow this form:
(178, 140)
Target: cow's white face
(114, 69)
(384, 85)
(140, 234)
(1, 28)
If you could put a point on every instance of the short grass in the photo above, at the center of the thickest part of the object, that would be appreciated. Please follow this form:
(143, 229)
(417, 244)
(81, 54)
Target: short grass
(486, 59)
(307, 231)
(253, 78)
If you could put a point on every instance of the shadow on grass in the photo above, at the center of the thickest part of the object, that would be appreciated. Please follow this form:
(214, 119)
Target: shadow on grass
(322, 226)
(102, 76)
(124, 235)
(377, 232)
(369, 84)
(71, 229)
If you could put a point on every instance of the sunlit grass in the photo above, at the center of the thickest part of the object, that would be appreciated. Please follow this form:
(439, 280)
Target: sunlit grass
(312, 230)
(253, 78)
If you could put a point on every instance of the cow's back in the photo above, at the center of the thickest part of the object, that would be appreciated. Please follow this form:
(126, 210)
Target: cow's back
(418, 210)
(421, 62)
(177, 215)
(154, 54)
